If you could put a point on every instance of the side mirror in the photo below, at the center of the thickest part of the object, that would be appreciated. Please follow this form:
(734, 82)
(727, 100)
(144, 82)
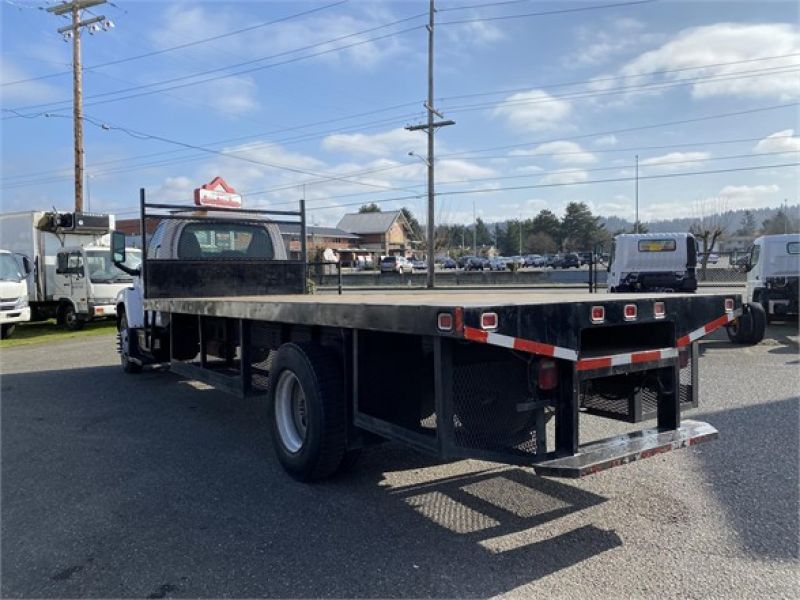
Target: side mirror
(27, 265)
(117, 247)
(61, 263)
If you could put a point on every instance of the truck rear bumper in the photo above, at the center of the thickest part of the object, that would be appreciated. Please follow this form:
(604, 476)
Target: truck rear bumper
(623, 449)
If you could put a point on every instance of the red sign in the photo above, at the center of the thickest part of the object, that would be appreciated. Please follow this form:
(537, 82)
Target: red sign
(217, 193)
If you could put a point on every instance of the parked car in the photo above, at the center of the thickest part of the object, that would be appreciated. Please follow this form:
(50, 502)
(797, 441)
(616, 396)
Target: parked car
(586, 258)
(449, 263)
(565, 261)
(534, 260)
(395, 264)
(713, 258)
(419, 265)
(550, 260)
(497, 264)
(474, 263)
(518, 261)
(462, 261)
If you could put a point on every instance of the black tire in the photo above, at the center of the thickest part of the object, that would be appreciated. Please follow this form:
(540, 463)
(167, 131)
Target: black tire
(127, 345)
(314, 446)
(741, 328)
(759, 317)
(7, 330)
(70, 318)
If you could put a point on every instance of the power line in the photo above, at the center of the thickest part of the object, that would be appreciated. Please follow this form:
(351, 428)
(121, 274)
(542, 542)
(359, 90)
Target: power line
(185, 45)
(615, 77)
(620, 179)
(147, 136)
(484, 5)
(249, 70)
(546, 13)
(633, 88)
(630, 129)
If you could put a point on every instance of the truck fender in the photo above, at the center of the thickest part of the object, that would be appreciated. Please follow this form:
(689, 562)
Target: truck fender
(130, 302)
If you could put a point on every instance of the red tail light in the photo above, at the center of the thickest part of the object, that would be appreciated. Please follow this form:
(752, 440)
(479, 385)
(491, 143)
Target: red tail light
(489, 320)
(548, 374)
(729, 304)
(659, 310)
(630, 312)
(445, 322)
(598, 314)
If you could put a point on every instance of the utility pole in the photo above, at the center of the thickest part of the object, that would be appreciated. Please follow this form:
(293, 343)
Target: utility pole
(73, 31)
(519, 228)
(430, 128)
(474, 231)
(636, 221)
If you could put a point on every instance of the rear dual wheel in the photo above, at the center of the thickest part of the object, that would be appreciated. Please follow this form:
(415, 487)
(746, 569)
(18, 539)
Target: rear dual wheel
(307, 411)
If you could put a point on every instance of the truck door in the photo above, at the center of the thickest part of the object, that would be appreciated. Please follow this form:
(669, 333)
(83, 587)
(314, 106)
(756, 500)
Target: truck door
(754, 281)
(71, 280)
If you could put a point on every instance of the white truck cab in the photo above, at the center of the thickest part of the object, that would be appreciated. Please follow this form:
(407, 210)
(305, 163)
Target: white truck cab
(88, 283)
(773, 271)
(653, 262)
(14, 270)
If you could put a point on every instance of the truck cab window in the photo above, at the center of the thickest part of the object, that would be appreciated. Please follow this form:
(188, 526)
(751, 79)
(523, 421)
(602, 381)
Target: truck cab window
(225, 241)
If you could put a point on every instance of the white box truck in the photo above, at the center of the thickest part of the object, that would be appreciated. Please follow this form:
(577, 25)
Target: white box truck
(73, 279)
(13, 292)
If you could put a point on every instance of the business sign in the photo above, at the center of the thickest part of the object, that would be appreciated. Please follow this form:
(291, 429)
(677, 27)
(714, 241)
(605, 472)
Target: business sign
(217, 193)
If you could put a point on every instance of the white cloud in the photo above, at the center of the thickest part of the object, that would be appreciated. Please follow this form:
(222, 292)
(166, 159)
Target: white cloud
(28, 92)
(780, 141)
(599, 45)
(675, 161)
(396, 142)
(535, 110)
(748, 192)
(565, 176)
(606, 141)
(182, 23)
(564, 152)
(695, 47)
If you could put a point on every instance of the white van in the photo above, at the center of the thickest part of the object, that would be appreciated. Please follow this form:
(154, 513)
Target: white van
(14, 270)
(653, 262)
(773, 274)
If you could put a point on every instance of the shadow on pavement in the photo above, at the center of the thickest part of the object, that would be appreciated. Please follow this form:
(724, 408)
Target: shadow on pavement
(118, 485)
(753, 468)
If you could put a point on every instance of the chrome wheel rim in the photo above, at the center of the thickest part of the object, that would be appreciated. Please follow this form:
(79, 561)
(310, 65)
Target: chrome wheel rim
(290, 412)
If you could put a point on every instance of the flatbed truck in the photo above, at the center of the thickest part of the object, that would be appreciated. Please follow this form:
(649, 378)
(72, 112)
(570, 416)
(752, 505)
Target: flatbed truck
(492, 375)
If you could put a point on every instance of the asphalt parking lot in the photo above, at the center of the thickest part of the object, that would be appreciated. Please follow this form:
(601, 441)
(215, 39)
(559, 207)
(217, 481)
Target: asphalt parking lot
(119, 485)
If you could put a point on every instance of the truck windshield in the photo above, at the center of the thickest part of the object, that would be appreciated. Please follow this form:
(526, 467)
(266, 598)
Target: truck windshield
(102, 270)
(9, 268)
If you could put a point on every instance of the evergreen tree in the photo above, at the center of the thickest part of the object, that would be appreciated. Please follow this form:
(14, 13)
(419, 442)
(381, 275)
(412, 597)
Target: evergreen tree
(369, 208)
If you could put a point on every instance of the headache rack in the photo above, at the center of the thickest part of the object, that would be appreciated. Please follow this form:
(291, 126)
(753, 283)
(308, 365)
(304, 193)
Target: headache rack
(243, 276)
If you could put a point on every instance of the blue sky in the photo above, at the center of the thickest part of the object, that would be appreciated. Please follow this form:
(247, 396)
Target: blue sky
(541, 103)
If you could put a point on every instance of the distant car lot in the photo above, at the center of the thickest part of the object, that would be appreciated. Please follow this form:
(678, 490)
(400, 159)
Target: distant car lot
(160, 487)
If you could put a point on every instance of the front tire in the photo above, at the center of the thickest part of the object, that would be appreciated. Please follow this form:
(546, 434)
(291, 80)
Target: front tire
(308, 414)
(741, 328)
(759, 317)
(126, 343)
(7, 330)
(70, 318)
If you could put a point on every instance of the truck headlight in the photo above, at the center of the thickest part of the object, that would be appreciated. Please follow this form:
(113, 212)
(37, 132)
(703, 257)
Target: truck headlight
(22, 301)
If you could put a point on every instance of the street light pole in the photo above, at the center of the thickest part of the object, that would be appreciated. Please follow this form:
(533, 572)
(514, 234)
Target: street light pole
(636, 221)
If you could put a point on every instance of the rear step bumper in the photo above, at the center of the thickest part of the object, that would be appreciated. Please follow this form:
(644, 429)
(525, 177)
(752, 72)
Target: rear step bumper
(614, 452)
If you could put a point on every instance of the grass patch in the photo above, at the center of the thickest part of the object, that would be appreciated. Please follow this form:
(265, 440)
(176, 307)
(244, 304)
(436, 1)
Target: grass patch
(47, 331)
